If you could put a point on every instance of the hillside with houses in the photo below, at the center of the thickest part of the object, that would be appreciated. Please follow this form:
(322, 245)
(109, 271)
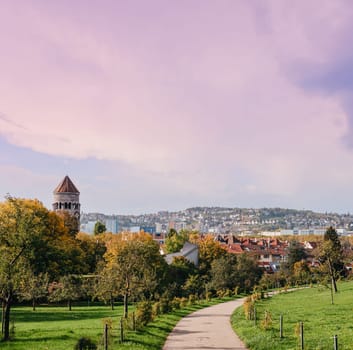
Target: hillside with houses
(218, 220)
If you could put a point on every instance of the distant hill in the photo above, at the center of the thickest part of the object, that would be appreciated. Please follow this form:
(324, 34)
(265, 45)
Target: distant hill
(225, 220)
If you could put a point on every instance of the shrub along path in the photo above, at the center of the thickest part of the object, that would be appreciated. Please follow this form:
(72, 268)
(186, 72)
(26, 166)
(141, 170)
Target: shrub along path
(208, 328)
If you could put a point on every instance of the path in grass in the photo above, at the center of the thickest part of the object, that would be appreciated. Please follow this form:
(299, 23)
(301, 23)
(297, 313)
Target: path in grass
(208, 328)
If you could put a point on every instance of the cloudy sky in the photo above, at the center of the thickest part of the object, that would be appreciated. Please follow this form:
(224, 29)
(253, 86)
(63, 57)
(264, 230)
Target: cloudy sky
(168, 104)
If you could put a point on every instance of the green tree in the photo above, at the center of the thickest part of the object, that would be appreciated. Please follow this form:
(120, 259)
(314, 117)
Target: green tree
(136, 265)
(301, 272)
(296, 252)
(175, 241)
(67, 289)
(330, 255)
(209, 250)
(31, 239)
(71, 222)
(93, 249)
(99, 228)
(248, 273)
(193, 285)
(105, 286)
(24, 230)
(33, 287)
(178, 272)
(223, 272)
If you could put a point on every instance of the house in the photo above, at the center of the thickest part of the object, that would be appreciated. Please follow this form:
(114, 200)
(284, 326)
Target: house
(269, 253)
(189, 251)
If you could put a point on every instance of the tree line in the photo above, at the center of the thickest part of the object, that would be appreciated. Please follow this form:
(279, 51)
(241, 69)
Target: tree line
(43, 257)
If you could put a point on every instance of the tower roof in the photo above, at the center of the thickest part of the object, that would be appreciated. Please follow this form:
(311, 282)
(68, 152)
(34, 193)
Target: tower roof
(66, 186)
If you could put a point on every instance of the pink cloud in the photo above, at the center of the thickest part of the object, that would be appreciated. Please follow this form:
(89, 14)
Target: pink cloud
(190, 94)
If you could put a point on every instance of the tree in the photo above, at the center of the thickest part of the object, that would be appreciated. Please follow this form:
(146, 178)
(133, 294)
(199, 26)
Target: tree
(230, 271)
(175, 241)
(33, 287)
(193, 285)
(301, 272)
(31, 239)
(248, 273)
(136, 265)
(93, 249)
(178, 272)
(209, 250)
(296, 253)
(71, 222)
(223, 272)
(99, 228)
(105, 286)
(23, 225)
(330, 256)
(11, 268)
(67, 289)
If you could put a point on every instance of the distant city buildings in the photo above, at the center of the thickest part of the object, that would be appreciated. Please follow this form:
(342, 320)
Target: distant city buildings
(238, 221)
(112, 225)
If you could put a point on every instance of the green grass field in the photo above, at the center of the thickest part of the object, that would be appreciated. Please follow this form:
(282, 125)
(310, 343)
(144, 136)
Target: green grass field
(56, 328)
(313, 307)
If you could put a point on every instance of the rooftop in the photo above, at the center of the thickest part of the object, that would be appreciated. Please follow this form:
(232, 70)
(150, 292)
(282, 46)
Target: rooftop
(66, 186)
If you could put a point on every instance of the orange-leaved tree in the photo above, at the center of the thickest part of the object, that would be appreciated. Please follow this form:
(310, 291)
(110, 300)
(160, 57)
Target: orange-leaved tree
(134, 262)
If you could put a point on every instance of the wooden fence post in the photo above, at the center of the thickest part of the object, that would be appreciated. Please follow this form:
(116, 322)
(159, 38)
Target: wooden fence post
(121, 330)
(301, 336)
(335, 342)
(106, 336)
(133, 321)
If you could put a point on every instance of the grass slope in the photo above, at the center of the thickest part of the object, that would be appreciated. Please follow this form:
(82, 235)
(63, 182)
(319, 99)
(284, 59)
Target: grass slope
(56, 328)
(313, 307)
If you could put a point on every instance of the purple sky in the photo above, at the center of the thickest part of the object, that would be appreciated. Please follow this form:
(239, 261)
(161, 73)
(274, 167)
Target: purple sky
(152, 105)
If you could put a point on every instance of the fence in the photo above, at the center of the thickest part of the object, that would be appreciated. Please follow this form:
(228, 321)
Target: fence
(299, 331)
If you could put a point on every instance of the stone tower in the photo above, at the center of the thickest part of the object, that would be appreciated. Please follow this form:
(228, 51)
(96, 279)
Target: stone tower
(67, 198)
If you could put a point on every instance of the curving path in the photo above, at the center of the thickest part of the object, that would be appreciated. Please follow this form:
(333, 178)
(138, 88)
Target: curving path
(208, 328)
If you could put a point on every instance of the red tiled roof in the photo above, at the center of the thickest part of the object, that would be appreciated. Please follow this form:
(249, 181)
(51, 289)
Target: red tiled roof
(235, 249)
(66, 186)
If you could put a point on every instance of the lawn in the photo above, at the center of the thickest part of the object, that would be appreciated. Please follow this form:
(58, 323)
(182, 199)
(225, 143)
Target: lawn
(56, 328)
(313, 307)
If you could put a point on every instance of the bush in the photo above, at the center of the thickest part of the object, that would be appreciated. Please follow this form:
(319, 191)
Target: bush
(192, 299)
(220, 293)
(165, 306)
(227, 293)
(175, 304)
(266, 323)
(208, 296)
(85, 344)
(143, 313)
(249, 308)
(183, 302)
(156, 309)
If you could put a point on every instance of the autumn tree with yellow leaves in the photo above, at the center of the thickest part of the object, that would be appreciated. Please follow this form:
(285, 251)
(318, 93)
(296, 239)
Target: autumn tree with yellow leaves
(134, 262)
(33, 241)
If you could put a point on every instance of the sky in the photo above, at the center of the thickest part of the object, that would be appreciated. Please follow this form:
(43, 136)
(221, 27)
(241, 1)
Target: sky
(169, 104)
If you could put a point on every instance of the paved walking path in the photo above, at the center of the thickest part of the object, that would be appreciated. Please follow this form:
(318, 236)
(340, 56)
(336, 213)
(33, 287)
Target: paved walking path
(208, 328)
